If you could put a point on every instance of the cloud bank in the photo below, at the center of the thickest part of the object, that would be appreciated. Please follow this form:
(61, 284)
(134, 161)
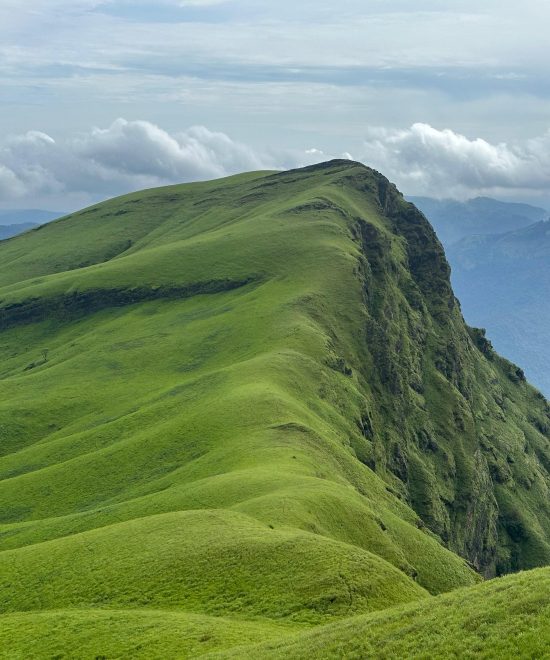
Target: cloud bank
(423, 160)
(128, 155)
(37, 169)
(249, 68)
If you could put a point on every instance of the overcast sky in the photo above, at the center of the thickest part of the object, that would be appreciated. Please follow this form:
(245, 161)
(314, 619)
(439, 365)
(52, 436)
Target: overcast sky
(98, 97)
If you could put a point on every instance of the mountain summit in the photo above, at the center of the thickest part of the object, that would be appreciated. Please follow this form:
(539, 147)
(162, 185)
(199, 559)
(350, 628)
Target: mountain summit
(235, 410)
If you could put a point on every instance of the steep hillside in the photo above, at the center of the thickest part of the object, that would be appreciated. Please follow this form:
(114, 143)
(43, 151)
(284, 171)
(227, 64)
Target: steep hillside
(237, 409)
(503, 283)
(499, 255)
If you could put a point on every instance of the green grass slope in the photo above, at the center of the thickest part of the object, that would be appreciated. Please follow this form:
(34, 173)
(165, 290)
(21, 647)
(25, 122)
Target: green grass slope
(201, 561)
(504, 618)
(127, 633)
(246, 405)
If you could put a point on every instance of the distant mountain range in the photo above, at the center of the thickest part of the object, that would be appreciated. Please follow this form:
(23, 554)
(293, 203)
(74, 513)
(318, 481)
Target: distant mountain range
(503, 283)
(27, 216)
(7, 231)
(13, 222)
(500, 259)
(455, 220)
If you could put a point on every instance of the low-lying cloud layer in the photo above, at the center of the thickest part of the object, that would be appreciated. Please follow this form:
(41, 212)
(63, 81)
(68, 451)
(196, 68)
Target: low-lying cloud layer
(428, 161)
(36, 169)
(128, 155)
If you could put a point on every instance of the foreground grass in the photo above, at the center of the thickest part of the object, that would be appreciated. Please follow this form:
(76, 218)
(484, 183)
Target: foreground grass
(501, 619)
(125, 633)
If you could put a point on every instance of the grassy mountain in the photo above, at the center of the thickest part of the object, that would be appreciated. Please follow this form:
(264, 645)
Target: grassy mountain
(503, 283)
(232, 411)
(454, 220)
(7, 231)
(503, 618)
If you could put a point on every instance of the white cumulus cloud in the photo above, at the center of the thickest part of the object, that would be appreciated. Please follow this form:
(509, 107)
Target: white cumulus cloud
(37, 169)
(142, 149)
(425, 160)
(128, 155)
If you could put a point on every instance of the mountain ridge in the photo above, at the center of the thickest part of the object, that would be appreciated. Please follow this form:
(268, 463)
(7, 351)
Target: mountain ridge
(323, 439)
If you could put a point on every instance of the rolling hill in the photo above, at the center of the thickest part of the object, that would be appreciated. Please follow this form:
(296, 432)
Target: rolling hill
(505, 618)
(238, 411)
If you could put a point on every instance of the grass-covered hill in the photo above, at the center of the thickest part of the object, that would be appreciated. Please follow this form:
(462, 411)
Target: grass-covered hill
(233, 411)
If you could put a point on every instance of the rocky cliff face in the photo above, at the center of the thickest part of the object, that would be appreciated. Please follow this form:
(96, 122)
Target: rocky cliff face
(454, 428)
